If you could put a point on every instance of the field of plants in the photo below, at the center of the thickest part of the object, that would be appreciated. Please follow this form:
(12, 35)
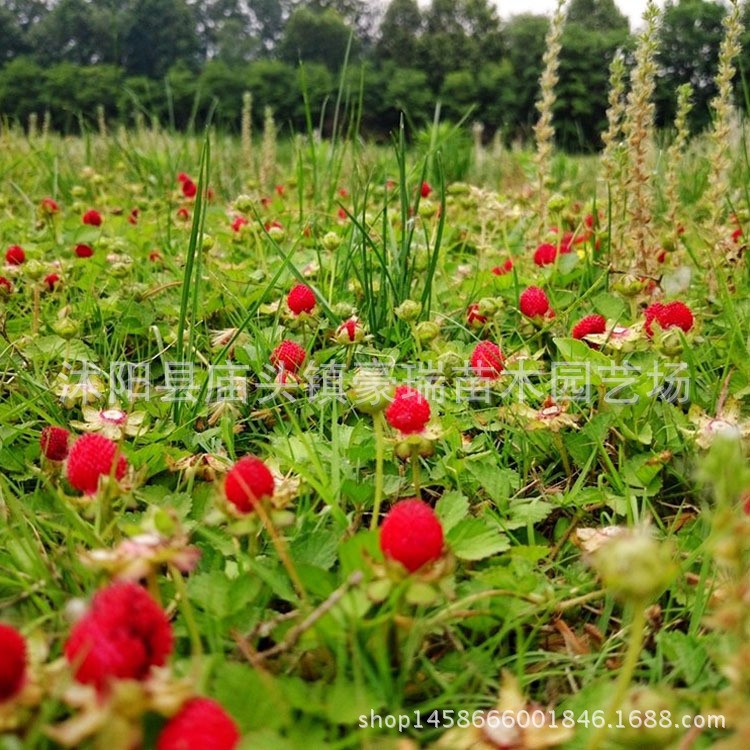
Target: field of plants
(313, 443)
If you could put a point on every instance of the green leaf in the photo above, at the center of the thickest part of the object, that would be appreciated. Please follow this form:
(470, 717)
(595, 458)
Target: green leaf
(687, 654)
(473, 539)
(498, 483)
(452, 508)
(609, 306)
(318, 548)
(255, 700)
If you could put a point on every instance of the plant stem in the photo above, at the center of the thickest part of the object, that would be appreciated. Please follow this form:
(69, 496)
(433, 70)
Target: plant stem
(635, 643)
(282, 551)
(187, 611)
(377, 425)
(415, 471)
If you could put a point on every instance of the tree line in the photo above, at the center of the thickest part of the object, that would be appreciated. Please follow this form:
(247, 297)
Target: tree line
(178, 60)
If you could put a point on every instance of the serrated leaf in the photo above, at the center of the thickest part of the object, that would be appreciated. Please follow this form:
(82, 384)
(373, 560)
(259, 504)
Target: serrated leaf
(497, 482)
(473, 539)
(318, 548)
(530, 511)
(452, 508)
(687, 654)
(255, 700)
(610, 306)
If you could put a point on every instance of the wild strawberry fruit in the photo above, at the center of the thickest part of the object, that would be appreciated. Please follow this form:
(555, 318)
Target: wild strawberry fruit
(672, 315)
(49, 206)
(301, 299)
(545, 254)
(238, 223)
(409, 411)
(201, 724)
(93, 218)
(411, 534)
(5, 286)
(52, 280)
(189, 188)
(534, 303)
(506, 267)
(288, 355)
(676, 315)
(83, 250)
(122, 636)
(474, 318)
(425, 190)
(350, 331)
(12, 662)
(487, 360)
(247, 483)
(54, 443)
(589, 324)
(91, 457)
(14, 255)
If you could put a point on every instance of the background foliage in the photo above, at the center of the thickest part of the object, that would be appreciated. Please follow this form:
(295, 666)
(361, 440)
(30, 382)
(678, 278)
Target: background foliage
(175, 59)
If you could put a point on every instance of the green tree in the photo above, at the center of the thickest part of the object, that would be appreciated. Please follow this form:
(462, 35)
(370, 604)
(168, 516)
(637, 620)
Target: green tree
(21, 89)
(459, 35)
(75, 31)
(594, 31)
(315, 36)
(689, 39)
(12, 42)
(158, 34)
(597, 15)
(525, 39)
(398, 33)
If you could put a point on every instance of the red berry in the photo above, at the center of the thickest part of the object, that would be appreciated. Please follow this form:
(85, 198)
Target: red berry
(672, 315)
(248, 482)
(487, 360)
(238, 223)
(122, 636)
(84, 251)
(425, 190)
(201, 724)
(301, 299)
(183, 214)
(92, 456)
(15, 255)
(651, 313)
(589, 324)
(409, 411)
(51, 280)
(189, 188)
(474, 318)
(5, 285)
(533, 302)
(411, 534)
(545, 254)
(676, 315)
(12, 662)
(92, 218)
(566, 242)
(288, 355)
(352, 328)
(181, 177)
(54, 443)
(49, 206)
(507, 267)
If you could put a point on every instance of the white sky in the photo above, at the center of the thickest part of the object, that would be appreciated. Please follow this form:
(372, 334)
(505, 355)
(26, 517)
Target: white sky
(633, 9)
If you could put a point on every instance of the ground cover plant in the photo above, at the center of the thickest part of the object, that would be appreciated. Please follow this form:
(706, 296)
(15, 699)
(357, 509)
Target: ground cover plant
(321, 444)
